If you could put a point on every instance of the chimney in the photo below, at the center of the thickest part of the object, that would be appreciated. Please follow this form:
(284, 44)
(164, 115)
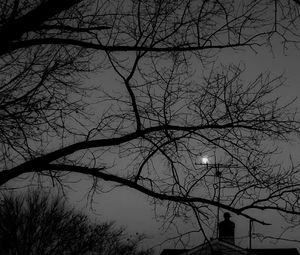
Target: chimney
(226, 229)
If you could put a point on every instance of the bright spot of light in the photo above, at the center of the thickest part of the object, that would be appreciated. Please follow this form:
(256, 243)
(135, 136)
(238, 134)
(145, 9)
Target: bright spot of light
(204, 160)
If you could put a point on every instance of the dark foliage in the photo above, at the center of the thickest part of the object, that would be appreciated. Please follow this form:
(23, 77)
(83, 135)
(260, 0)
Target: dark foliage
(39, 223)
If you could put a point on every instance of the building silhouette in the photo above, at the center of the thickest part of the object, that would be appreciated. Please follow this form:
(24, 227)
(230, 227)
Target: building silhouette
(225, 244)
(226, 229)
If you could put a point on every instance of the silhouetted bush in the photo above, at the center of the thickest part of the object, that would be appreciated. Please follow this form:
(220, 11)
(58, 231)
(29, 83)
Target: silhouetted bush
(40, 223)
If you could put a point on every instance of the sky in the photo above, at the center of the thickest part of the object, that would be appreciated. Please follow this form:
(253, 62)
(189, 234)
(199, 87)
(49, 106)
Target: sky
(133, 210)
(129, 208)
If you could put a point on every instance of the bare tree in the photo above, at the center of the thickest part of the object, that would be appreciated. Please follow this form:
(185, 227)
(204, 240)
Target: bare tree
(38, 223)
(163, 102)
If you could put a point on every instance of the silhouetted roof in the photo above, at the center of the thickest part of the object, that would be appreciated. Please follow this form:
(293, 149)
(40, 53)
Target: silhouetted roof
(172, 251)
(292, 251)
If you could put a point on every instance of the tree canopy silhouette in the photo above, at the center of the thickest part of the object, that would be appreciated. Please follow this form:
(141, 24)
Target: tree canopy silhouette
(39, 223)
(130, 92)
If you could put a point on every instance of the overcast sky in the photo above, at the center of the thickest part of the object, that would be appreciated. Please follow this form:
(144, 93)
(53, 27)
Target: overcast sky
(131, 209)
(128, 207)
